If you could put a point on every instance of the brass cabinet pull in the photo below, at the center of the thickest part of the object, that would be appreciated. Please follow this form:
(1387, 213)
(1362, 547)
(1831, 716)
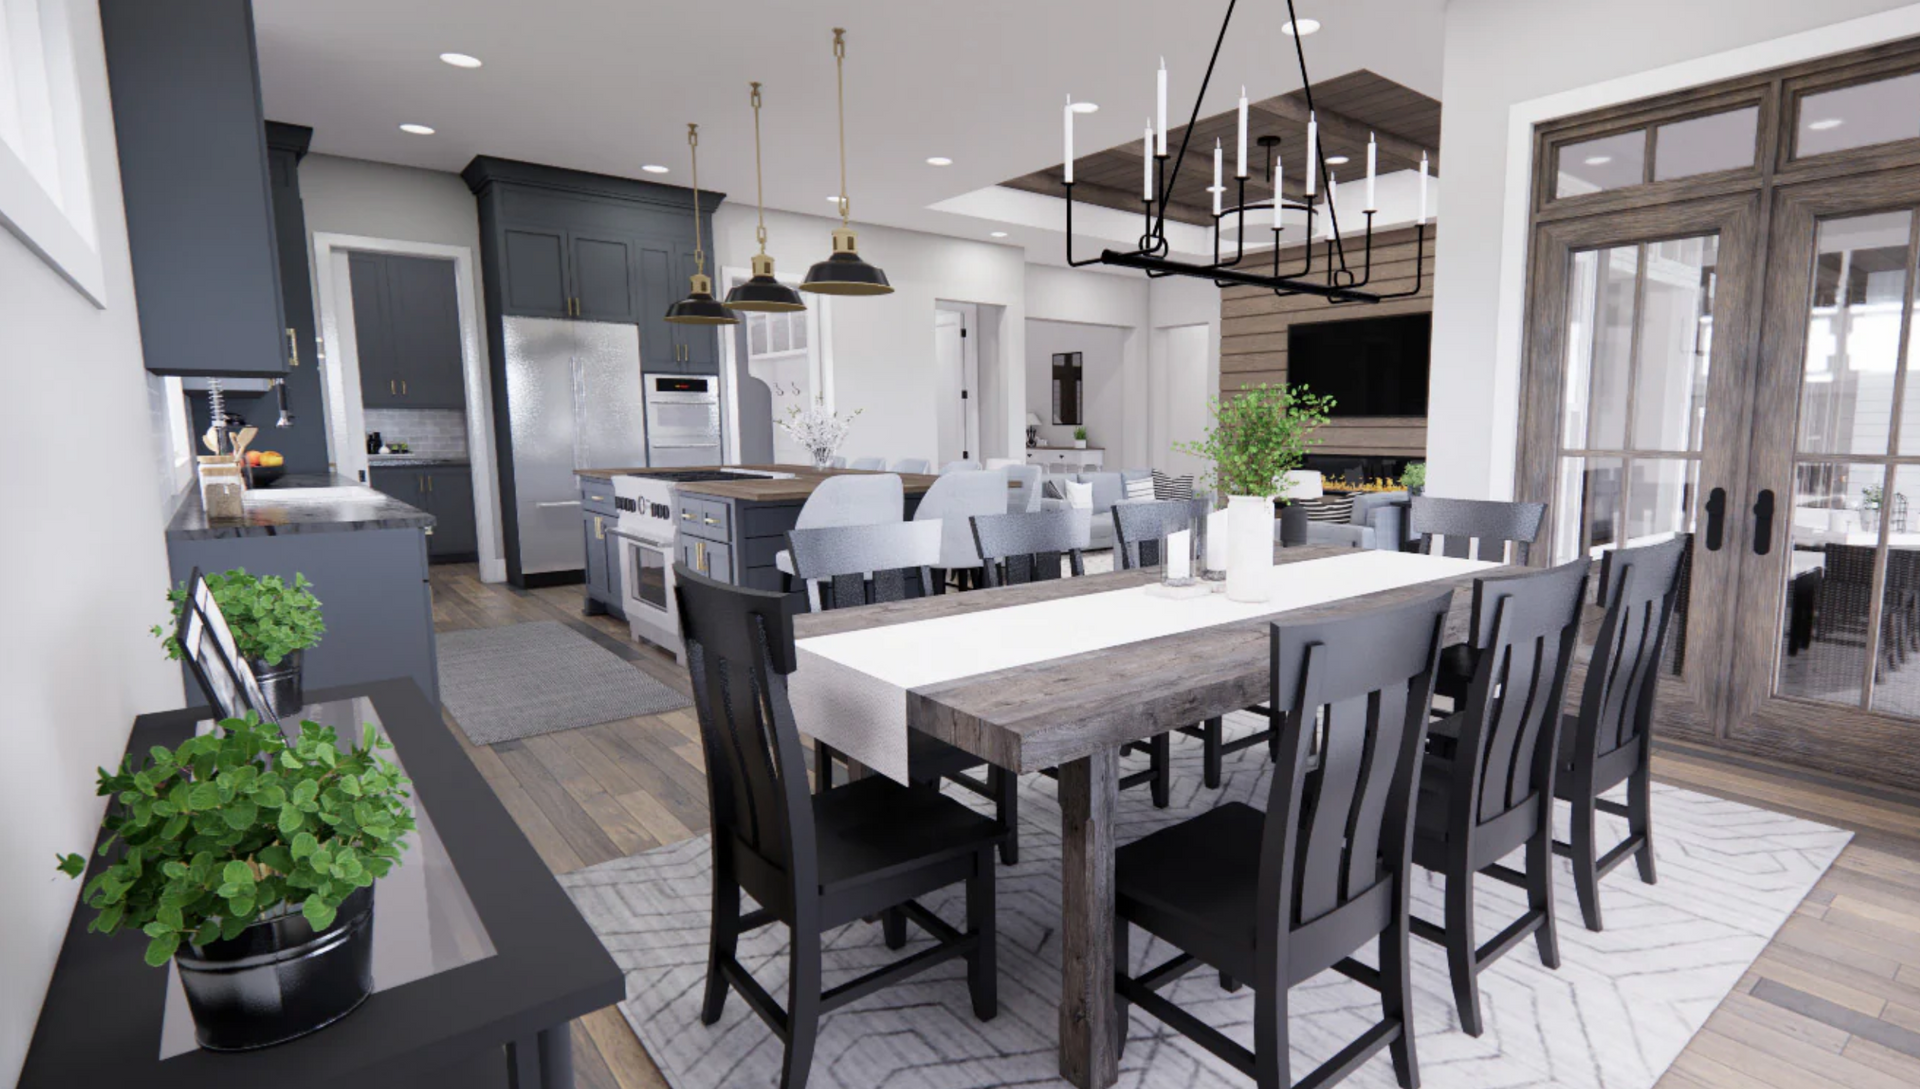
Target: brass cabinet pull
(429, 481)
(293, 348)
(686, 516)
(420, 483)
(403, 387)
(599, 529)
(711, 521)
(393, 387)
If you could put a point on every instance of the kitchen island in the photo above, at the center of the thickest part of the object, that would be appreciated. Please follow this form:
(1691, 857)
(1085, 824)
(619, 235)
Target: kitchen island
(729, 529)
(364, 552)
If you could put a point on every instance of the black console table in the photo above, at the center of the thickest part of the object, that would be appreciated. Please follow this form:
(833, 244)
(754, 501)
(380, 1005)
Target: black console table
(481, 960)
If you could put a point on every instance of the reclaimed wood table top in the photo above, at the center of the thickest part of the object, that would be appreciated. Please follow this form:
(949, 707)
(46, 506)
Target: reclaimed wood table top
(767, 490)
(1046, 713)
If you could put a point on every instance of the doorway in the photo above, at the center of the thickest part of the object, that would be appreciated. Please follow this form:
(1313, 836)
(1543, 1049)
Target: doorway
(956, 354)
(1721, 301)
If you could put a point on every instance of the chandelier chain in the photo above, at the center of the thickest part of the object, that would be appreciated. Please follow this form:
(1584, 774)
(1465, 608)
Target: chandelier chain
(699, 248)
(759, 186)
(840, 87)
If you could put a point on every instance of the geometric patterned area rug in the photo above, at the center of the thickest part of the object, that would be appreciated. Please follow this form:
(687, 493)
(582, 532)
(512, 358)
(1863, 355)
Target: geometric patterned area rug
(522, 680)
(1615, 1015)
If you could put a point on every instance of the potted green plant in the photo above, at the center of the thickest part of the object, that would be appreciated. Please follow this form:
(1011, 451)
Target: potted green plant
(1257, 436)
(1414, 478)
(272, 624)
(1079, 438)
(249, 860)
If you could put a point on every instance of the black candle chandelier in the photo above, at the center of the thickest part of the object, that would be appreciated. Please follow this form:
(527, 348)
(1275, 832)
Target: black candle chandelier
(1341, 278)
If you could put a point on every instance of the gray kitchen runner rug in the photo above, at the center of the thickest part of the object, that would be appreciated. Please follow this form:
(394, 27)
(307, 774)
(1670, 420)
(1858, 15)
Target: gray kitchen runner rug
(529, 679)
(1618, 1012)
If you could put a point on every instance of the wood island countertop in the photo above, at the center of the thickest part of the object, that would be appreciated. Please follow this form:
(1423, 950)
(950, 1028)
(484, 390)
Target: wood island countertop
(796, 490)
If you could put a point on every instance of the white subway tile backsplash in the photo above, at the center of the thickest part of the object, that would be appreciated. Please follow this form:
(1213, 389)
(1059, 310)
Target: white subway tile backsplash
(428, 432)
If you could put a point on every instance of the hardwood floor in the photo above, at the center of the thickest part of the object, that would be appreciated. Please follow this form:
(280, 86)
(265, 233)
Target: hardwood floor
(1833, 1002)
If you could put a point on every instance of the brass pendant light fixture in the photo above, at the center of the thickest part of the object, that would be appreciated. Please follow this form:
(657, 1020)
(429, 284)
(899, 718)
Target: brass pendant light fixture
(843, 272)
(763, 293)
(699, 307)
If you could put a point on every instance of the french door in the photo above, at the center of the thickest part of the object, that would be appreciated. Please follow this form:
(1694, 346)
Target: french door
(1826, 662)
(1635, 415)
(1674, 388)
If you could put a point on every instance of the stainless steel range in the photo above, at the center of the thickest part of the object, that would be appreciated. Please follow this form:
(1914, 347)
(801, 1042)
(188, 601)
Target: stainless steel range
(649, 545)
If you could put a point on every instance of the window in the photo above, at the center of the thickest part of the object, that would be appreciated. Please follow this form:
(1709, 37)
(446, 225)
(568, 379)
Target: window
(45, 186)
(1607, 163)
(1858, 116)
(1702, 145)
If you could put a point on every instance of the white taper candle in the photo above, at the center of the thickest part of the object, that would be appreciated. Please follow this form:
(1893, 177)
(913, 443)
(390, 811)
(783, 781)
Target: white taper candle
(1146, 159)
(1240, 157)
(1219, 183)
(1279, 176)
(1313, 155)
(1162, 99)
(1067, 122)
(1373, 153)
(1423, 189)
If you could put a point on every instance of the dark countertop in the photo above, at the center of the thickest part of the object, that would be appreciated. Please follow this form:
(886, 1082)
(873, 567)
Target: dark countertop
(385, 461)
(805, 479)
(298, 504)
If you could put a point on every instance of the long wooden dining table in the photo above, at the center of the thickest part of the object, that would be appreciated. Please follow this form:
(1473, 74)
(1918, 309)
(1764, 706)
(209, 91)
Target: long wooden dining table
(1076, 713)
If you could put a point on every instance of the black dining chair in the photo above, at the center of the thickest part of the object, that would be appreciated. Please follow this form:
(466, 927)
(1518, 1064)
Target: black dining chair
(869, 565)
(1273, 899)
(1610, 740)
(1029, 547)
(1487, 790)
(813, 862)
(1020, 548)
(1461, 524)
(1138, 532)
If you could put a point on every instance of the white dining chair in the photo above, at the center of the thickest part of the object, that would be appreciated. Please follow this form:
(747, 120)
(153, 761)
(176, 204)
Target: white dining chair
(1004, 463)
(968, 465)
(954, 499)
(912, 465)
(871, 465)
(848, 501)
(1025, 498)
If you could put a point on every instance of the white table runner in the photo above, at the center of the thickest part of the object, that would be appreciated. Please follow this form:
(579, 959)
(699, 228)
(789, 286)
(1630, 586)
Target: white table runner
(849, 690)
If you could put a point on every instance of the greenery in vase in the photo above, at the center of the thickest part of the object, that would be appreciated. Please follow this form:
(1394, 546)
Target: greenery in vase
(1414, 476)
(239, 825)
(1080, 434)
(270, 619)
(1870, 497)
(1258, 436)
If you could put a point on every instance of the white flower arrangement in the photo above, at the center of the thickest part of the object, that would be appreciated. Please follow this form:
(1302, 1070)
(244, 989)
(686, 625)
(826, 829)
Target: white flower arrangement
(817, 429)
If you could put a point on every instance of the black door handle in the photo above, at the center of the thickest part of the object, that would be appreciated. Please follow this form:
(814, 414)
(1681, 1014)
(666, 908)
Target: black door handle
(1716, 517)
(1763, 522)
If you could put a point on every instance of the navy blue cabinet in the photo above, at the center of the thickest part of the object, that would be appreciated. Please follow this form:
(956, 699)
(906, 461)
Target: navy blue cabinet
(406, 331)
(193, 173)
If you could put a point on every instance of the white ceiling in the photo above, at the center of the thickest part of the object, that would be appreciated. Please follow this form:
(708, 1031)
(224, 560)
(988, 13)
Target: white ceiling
(608, 85)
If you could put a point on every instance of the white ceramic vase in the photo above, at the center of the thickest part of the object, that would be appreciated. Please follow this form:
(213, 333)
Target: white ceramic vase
(1249, 547)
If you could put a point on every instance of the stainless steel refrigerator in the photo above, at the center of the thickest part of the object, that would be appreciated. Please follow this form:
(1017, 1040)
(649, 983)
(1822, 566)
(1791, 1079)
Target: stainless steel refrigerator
(573, 402)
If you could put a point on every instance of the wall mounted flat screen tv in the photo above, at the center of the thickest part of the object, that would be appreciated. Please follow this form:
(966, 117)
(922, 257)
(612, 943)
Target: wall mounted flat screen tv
(1369, 366)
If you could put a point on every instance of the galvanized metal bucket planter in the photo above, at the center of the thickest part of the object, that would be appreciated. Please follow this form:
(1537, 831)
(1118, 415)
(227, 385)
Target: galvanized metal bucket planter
(281, 684)
(278, 980)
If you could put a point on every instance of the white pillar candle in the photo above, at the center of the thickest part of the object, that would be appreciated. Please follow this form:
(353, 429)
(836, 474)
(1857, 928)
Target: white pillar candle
(1217, 541)
(1146, 159)
(1279, 175)
(1067, 122)
(1373, 150)
(1162, 97)
(1313, 155)
(1423, 189)
(1219, 183)
(1240, 157)
(1179, 546)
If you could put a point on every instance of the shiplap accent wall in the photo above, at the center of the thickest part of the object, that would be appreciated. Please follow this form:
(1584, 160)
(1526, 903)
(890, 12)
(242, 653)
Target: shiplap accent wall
(1253, 339)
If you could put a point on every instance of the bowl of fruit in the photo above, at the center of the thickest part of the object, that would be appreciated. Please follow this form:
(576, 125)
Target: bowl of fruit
(265, 466)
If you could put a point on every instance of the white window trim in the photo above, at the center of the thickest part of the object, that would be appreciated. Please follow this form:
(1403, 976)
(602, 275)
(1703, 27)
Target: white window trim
(58, 227)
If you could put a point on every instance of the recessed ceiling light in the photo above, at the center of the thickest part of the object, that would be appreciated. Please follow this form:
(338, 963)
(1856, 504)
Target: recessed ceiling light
(1338, 160)
(999, 234)
(1825, 123)
(417, 130)
(654, 168)
(933, 160)
(1086, 107)
(1301, 28)
(461, 60)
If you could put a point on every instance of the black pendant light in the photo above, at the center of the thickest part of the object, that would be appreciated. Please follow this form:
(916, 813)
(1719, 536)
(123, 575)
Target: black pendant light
(699, 307)
(762, 293)
(843, 272)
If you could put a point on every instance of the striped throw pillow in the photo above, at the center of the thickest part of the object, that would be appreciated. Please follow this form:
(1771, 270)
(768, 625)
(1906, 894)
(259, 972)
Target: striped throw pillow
(1172, 487)
(1329, 509)
(1141, 488)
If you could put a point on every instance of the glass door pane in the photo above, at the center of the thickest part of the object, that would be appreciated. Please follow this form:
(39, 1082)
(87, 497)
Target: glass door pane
(1851, 612)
